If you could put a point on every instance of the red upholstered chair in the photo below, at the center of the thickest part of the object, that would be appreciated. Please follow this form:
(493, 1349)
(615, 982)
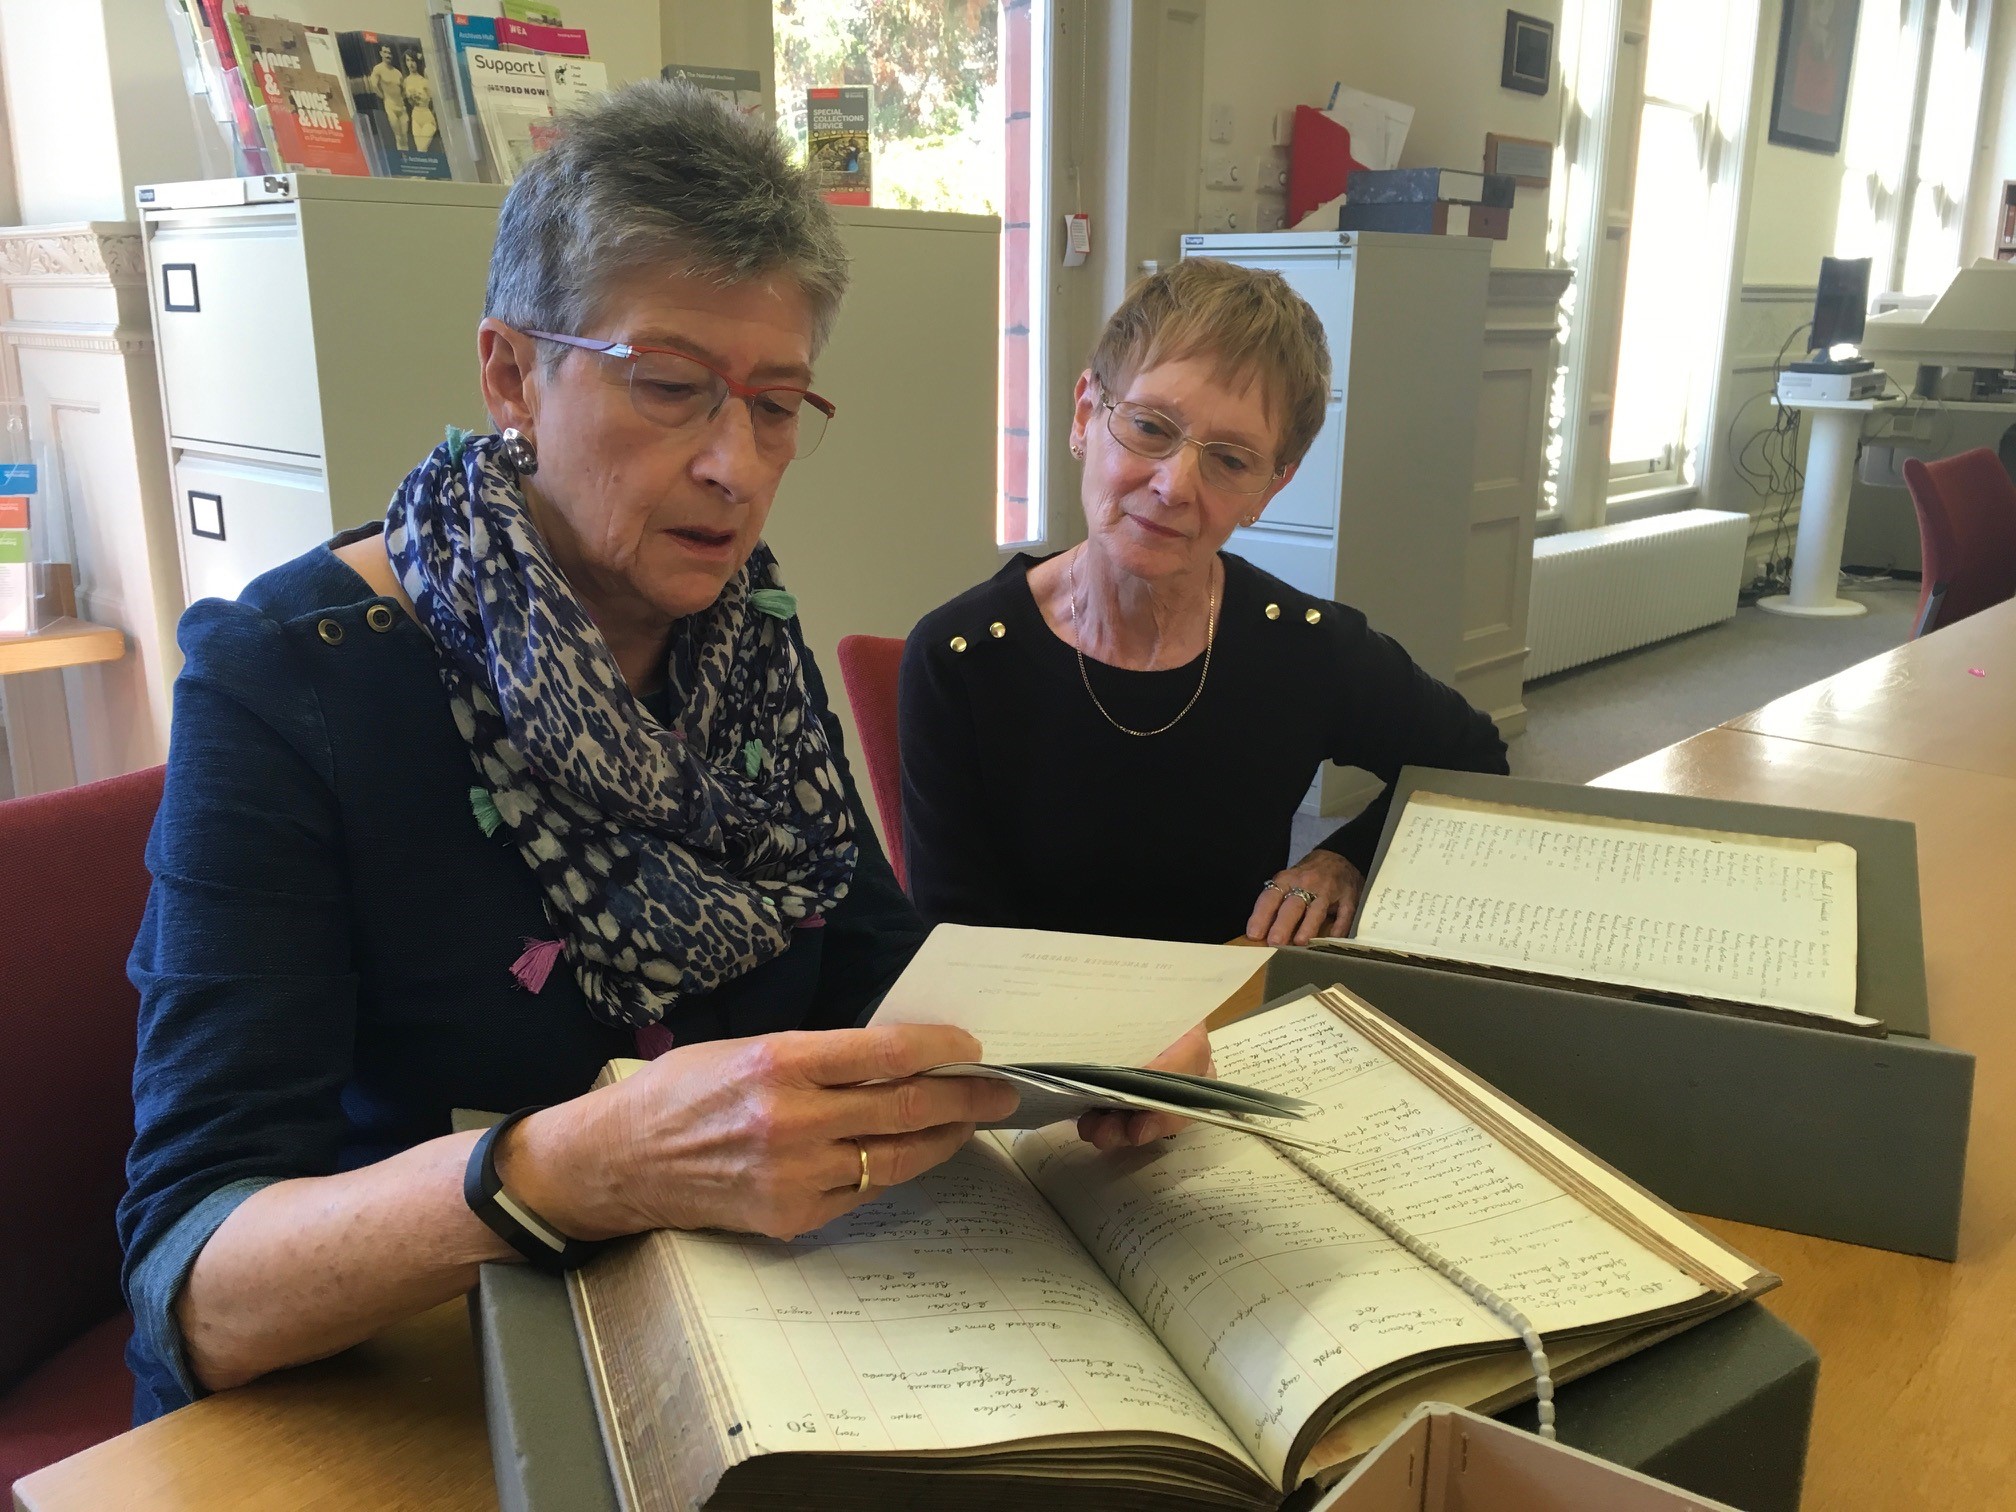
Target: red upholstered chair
(1967, 535)
(869, 665)
(72, 886)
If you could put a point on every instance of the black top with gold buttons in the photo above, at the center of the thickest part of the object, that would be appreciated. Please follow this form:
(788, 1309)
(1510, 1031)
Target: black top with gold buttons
(1023, 805)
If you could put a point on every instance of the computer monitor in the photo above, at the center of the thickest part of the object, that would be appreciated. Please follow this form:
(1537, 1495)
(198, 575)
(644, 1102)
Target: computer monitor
(1842, 303)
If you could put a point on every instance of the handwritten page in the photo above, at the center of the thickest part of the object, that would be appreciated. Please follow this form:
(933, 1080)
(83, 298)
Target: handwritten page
(1751, 919)
(1273, 1295)
(1038, 995)
(956, 1311)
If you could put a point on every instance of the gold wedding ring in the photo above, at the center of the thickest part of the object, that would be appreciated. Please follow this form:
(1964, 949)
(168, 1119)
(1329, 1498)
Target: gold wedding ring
(862, 1150)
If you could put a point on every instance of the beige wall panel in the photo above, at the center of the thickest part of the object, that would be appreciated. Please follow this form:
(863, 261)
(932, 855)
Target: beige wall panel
(894, 514)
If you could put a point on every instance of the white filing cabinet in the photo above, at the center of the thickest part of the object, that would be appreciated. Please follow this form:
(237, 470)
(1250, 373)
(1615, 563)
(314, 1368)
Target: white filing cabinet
(1379, 514)
(315, 336)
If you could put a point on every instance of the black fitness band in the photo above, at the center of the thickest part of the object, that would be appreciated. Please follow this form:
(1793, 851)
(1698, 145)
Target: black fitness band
(509, 1219)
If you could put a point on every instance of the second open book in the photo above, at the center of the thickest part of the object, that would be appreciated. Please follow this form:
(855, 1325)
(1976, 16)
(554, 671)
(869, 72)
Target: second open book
(1198, 1323)
(1758, 925)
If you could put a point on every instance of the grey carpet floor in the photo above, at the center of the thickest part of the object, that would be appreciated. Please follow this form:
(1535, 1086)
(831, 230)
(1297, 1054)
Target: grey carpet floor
(1593, 718)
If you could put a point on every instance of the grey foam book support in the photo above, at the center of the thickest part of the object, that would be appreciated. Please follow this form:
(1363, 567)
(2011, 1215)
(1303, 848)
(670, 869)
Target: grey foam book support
(1722, 1409)
(1857, 1139)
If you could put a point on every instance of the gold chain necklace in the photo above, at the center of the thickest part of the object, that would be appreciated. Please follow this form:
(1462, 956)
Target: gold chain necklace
(1210, 635)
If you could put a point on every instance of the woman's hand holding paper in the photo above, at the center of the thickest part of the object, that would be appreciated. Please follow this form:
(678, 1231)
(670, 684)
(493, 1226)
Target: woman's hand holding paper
(1117, 1130)
(762, 1135)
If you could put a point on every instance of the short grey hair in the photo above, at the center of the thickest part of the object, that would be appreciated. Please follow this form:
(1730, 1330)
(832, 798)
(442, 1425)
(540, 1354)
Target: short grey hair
(658, 175)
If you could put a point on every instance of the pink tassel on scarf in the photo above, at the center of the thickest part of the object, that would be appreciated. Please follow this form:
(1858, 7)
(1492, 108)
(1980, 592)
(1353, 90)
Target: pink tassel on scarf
(536, 964)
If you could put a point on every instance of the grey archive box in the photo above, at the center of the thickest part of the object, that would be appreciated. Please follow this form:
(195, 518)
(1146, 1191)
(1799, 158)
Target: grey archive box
(1862, 1139)
(1722, 1410)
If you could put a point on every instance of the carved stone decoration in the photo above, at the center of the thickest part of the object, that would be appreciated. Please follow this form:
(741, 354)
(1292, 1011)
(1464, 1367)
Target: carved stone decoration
(107, 253)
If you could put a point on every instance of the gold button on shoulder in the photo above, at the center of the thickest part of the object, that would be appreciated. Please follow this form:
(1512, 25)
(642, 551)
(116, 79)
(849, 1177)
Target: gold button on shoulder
(958, 643)
(997, 629)
(330, 631)
(379, 617)
(1314, 616)
(1273, 611)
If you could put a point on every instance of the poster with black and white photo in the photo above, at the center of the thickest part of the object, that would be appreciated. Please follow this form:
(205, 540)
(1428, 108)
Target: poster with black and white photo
(394, 96)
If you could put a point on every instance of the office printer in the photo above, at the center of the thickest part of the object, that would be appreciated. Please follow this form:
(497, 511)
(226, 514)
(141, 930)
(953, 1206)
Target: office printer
(1954, 356)
(1961, 345)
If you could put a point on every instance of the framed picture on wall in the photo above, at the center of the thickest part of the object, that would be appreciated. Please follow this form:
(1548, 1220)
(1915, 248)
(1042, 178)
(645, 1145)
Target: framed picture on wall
(1816, 47)
(1529, 53)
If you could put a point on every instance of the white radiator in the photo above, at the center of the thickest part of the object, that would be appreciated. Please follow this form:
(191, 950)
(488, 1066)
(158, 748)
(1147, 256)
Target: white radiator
(1598, 592)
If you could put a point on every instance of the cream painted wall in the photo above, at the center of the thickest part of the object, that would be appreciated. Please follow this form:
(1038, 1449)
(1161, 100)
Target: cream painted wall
(721, 34)
(1795, 196)
(894, 514)
(59, 93)
(1440, 56)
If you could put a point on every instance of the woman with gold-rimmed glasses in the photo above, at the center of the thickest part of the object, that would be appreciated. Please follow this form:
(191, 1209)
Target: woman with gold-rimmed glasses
(1115, 738)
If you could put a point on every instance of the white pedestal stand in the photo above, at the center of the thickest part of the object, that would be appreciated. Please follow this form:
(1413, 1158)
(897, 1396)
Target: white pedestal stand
(1823, 512)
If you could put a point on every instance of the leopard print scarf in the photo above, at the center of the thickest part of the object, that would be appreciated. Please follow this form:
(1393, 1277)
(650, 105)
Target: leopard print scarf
(672, 859)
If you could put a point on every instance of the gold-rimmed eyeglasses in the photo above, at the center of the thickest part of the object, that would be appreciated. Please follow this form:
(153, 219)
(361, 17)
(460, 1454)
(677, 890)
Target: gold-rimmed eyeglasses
(676, 390)
(1222, 464)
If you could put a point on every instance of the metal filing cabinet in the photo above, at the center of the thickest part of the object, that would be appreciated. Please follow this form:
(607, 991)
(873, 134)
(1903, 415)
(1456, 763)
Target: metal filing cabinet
(315, 334)
(1378, 514)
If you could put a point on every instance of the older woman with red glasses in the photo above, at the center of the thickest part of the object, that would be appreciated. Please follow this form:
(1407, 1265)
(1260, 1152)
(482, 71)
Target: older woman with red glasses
(1115, 739)
(535, 773)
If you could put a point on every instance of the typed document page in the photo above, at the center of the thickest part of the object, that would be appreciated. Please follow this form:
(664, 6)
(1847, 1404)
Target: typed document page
(1038, 995)
(1746, 918)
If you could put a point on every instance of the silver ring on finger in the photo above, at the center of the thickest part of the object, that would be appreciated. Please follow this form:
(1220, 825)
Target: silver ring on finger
(1308, 898)
(1270, 885)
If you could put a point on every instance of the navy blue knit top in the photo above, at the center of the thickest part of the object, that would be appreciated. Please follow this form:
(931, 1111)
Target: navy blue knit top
(324, 964)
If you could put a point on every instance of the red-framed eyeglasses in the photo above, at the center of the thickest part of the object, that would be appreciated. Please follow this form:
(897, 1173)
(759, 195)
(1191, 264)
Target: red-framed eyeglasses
(676, 390)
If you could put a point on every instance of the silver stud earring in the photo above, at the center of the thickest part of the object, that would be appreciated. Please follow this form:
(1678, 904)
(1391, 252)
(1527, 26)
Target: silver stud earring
(518, 451)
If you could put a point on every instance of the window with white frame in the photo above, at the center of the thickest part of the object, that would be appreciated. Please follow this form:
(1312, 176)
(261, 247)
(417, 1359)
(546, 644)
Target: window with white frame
(958, 114)
(1949, 122)
(1914, 105)
(1876, 138)
(1676, 280)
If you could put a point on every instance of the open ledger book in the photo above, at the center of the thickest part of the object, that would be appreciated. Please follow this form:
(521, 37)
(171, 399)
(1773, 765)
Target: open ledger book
(1755, 925)
(1198, 1323)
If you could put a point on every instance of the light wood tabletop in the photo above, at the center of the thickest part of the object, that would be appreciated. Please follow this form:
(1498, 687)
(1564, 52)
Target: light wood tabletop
(395, 1423)
(66, 643)
(1918, 1357)
(1949, 699)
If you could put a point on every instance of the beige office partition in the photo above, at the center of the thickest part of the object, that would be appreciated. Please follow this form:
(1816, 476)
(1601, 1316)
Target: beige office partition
(894, 513)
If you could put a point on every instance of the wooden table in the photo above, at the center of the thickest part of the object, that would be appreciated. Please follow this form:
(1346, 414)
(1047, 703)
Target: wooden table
(1918, 1358)
(1947, 700)
(66, 643)
(397, 1422)
(38, 714)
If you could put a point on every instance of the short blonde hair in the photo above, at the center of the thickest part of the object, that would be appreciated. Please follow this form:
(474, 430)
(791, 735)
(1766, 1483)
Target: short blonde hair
(1246, 322)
